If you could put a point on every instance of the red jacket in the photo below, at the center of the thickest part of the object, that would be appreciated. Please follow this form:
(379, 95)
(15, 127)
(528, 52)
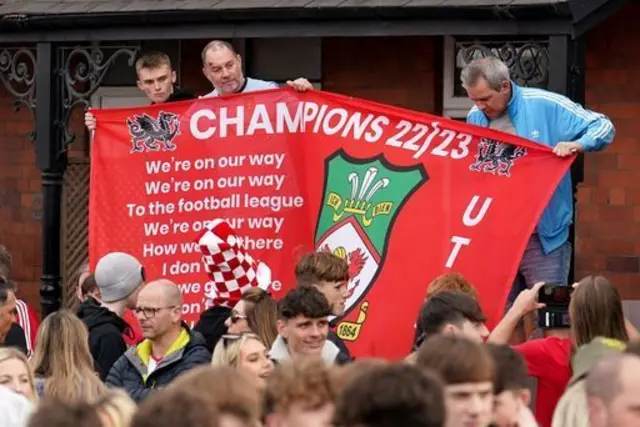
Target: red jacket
(28, 320)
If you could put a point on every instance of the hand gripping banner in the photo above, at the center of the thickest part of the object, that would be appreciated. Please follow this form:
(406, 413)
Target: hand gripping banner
(402, 196)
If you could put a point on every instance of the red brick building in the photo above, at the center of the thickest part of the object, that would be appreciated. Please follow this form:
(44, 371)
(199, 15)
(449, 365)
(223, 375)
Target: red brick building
(404, 53)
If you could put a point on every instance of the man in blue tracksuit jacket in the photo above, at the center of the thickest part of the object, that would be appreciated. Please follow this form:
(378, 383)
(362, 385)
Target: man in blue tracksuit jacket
(547, 118)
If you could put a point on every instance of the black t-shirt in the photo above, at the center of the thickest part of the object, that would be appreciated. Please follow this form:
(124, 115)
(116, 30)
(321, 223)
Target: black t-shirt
(15, 338)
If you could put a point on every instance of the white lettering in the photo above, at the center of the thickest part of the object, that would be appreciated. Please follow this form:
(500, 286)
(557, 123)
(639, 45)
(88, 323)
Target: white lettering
(458, 242)
(467, 219)
(193, 124)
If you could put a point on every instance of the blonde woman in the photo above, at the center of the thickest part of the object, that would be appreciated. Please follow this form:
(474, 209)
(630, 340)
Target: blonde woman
(16, 373)
(245, 352)
(62, 361)
(116, 409)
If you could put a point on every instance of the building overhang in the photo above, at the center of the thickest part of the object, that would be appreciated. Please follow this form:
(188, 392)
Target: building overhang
(68, 21)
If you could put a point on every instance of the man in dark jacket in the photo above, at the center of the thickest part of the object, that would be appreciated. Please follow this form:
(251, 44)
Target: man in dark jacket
(169, 348)
(303, 325)
(119, 277)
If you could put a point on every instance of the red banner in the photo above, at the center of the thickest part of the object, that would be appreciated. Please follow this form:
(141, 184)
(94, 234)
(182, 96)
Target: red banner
(404, 196)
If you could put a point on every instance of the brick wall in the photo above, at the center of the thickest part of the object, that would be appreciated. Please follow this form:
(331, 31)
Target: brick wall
(20, 198)
(401, 71)
(608, 209)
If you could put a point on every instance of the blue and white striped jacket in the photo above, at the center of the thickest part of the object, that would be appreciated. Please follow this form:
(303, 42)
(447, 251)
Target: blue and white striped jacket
(548, 118)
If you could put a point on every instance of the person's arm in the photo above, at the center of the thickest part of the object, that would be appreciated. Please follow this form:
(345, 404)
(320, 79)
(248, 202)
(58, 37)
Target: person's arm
(526, 302)
(580, 129)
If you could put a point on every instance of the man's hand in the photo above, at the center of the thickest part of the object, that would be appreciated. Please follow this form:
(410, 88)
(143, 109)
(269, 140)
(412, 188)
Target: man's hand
(527, 300)
(90, 121)
(564, 149)
(301, 84)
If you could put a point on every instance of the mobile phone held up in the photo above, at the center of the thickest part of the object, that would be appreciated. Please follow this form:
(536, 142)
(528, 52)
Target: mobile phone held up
(555, 314)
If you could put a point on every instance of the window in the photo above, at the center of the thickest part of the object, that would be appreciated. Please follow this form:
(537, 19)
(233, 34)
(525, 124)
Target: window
(282, 59)
(528, 60)
(118, 97)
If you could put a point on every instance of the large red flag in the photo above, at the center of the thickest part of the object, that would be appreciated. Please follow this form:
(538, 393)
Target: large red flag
(404, 196)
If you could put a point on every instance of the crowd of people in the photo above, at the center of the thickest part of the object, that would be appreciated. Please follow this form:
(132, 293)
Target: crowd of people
(277, 364)
(124, 357)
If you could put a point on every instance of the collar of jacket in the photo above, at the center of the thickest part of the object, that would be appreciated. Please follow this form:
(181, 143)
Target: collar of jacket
(140, 355)
(280, 351)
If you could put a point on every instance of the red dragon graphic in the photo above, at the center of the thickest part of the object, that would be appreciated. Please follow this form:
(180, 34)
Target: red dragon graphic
(356, 259)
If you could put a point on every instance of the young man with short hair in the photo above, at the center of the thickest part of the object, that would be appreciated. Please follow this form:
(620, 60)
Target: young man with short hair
(301, 394)
(222, 66)
(512, 394)
(303, 326)
(391, 395)
(156, 79)
(452, 282)
(452, 313)
(119, 277)
(467, 369)
(229, 391)
(330, 275)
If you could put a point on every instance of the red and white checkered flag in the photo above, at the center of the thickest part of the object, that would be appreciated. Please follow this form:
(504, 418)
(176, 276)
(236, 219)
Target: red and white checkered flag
(230, 267)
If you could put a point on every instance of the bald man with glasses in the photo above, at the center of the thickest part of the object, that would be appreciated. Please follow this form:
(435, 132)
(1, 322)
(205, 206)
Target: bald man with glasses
(169, 348)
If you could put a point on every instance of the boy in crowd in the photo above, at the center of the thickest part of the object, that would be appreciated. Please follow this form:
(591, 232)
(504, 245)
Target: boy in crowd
(512, 395)
(452, 313)
(467, 369)
(390, 395)
(329, 274)
(303, 326)
(301, 394)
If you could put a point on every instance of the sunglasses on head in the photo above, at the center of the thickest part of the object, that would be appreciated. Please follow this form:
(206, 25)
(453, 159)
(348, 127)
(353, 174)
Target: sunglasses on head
(229, 338)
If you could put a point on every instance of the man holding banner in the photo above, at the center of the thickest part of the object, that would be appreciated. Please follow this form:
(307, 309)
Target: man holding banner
(156, 79)
(222, 66)
(549, 119)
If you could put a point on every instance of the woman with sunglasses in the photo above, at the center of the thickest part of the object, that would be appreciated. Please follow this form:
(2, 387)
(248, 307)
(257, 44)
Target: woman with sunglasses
(256, 312)
(246, 352)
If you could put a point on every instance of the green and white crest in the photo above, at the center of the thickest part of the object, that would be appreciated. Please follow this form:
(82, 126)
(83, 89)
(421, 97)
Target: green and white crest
(362, 199)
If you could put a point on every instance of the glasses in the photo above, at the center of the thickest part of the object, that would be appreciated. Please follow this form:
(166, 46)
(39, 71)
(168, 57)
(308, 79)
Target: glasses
(149, 312)
(236, 317)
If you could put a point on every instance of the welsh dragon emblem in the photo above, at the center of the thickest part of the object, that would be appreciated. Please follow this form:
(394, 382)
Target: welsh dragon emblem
(151, 134)
(497, 157)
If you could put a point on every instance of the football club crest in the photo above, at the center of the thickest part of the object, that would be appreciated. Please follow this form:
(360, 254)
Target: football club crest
(362, 199)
